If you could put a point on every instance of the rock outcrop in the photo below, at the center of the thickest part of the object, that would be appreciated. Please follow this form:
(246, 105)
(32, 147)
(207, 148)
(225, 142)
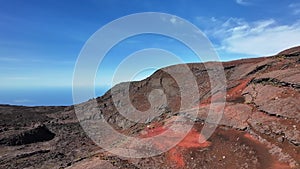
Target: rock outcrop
(259, 127)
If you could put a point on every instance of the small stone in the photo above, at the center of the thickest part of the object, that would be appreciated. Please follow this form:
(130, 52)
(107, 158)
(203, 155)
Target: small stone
(280, 139)
(223, 157)
(143, 132)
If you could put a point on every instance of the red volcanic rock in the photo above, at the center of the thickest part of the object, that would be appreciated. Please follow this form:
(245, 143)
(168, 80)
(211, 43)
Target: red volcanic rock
(285, 99)
(258, 129)
(93, 163)
(292, 51)
(191, 140)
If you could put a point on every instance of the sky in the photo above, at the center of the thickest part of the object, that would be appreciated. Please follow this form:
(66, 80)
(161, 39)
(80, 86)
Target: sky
(41, 40)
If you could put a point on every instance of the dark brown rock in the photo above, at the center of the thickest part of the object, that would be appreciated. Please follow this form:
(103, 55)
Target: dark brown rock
(259, 128)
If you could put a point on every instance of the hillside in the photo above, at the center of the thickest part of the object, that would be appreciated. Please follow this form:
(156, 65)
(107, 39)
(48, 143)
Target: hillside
(259, 127)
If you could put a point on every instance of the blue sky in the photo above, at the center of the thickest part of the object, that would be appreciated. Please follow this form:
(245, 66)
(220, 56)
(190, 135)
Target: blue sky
(40, 40)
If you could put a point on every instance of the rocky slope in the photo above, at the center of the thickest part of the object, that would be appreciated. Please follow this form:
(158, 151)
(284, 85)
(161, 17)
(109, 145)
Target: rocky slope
(259, 127)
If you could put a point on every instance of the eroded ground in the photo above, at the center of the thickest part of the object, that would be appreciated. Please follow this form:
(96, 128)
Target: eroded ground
(259, 127)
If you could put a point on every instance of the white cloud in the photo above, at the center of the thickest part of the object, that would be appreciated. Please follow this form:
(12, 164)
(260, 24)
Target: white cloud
(259, 38)
(20, 101)
(173, 20)
(295, 8)
(262, 38)
(242, 2)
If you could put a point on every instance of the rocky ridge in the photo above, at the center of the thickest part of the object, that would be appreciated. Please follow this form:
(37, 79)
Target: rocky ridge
(259, 127)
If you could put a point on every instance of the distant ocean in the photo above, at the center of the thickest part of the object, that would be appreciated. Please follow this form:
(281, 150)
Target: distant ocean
(55, 96)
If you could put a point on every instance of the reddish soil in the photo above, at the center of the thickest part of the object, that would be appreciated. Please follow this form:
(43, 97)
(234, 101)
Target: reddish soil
(259, 128)
(191, 140)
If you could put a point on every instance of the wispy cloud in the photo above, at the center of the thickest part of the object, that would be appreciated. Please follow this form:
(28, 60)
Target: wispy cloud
(243, 2)
(173, 20)
(20, 101)
(20, 78)
(295, 8)
(9, 59)
(259, 38)
(35, 60)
